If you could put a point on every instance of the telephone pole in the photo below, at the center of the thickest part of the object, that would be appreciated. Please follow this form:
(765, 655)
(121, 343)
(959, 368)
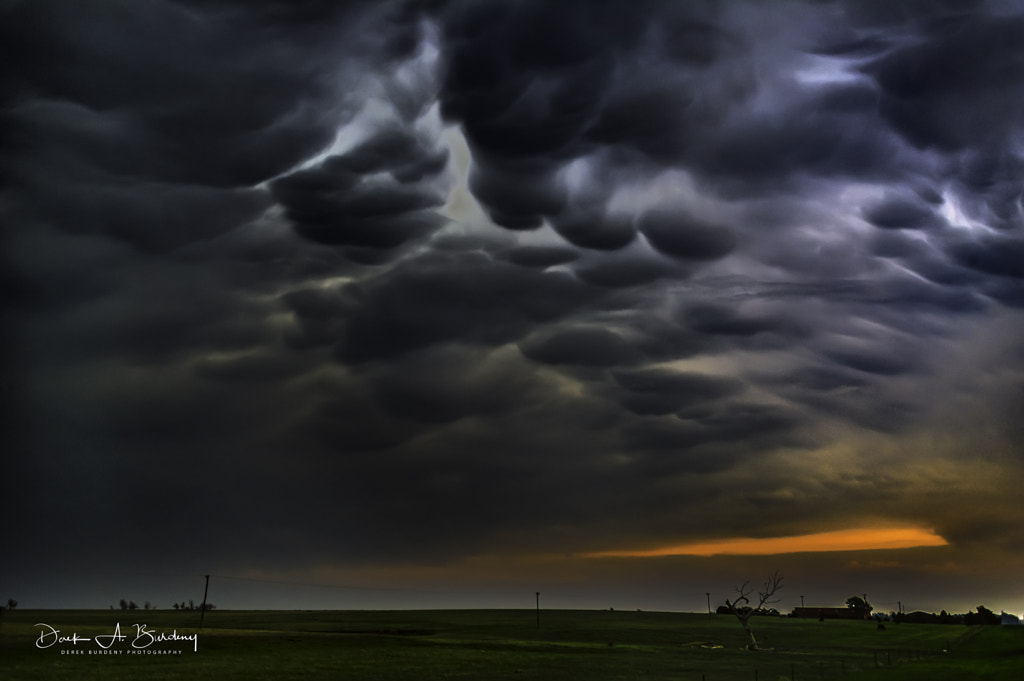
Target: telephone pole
(202, 608)
(708, 594)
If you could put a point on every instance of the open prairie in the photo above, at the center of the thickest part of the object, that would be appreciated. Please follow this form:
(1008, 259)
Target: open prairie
(80, 645)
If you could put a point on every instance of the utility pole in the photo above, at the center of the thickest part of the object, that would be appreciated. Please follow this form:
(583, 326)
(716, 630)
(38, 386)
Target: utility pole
(801, 601)
(708, 594)
(202, 608)
(538, 611)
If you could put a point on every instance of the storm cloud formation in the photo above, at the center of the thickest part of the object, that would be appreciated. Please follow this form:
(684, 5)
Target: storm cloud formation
(414, 284)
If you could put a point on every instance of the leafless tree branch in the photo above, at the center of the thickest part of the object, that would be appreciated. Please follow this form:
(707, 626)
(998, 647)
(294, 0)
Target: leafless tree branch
(772, 584)
(743, 613)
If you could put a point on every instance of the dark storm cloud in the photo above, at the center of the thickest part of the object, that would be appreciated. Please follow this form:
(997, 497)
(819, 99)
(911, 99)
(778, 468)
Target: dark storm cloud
(192, 123)
(998, 255)
(443, 385)
(741, 421)
(347, 423)
(595, 229)
(377, 219)
(518, 199)
(869, 361)
(530, 100)
(902, 213)
(248, 368)
(405, 282)
(824, 378)
(540, 256)
(720, 320)
(150, 156)
(446, 297)
(624, 269)
(524, 77)
(711, 436)
(340, 202)
(950, 89)
(658, 392)
(822, 134)
(1010, 294)
(682, 237)
(397, 152)
(597, 347)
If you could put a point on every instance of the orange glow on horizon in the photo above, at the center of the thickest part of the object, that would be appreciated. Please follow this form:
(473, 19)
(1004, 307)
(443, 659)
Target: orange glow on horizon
(838, 540)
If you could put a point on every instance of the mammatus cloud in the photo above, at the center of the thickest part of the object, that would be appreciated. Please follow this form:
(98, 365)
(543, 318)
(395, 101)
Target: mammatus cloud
(423, 285)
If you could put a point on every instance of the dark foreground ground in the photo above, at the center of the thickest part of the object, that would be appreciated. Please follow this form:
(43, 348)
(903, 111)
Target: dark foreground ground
(488, 644)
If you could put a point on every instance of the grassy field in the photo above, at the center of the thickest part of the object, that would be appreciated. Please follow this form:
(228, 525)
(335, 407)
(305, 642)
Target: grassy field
(499, 644)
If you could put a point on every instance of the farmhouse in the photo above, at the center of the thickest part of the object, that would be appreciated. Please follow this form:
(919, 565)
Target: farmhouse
(831, 613)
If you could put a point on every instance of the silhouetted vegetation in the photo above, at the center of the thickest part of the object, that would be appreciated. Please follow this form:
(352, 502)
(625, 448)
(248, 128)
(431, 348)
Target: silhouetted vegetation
(859, 605)
(192, 606)
(982, 616)
(744, 612)
(132, 605)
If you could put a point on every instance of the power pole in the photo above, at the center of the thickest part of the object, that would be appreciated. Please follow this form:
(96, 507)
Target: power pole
(202, 608)
(708, 594)
(538, 611)
(801, 601)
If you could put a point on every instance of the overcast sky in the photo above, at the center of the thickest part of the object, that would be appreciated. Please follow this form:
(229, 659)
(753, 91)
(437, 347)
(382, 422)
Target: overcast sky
(460, 301)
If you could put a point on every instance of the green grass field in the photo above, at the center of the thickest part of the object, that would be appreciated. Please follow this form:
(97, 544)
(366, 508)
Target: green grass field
(502, 644)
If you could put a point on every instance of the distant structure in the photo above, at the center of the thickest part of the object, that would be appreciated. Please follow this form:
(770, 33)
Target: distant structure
(1008, 620)
(831, 613)
(921, 617)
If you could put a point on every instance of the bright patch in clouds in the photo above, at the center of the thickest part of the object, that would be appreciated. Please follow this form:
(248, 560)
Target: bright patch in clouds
(839, 540)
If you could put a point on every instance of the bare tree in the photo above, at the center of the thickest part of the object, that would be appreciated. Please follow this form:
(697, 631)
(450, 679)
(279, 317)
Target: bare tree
(744, 608)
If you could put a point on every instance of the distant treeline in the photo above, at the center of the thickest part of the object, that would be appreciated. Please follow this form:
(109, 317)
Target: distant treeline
(982, 616)
(190, 605)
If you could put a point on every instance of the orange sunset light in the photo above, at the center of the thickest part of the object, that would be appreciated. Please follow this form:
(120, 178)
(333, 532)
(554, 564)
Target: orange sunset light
(839, 540)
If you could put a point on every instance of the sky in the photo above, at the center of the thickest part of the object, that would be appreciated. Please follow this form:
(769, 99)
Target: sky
(448, 304)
